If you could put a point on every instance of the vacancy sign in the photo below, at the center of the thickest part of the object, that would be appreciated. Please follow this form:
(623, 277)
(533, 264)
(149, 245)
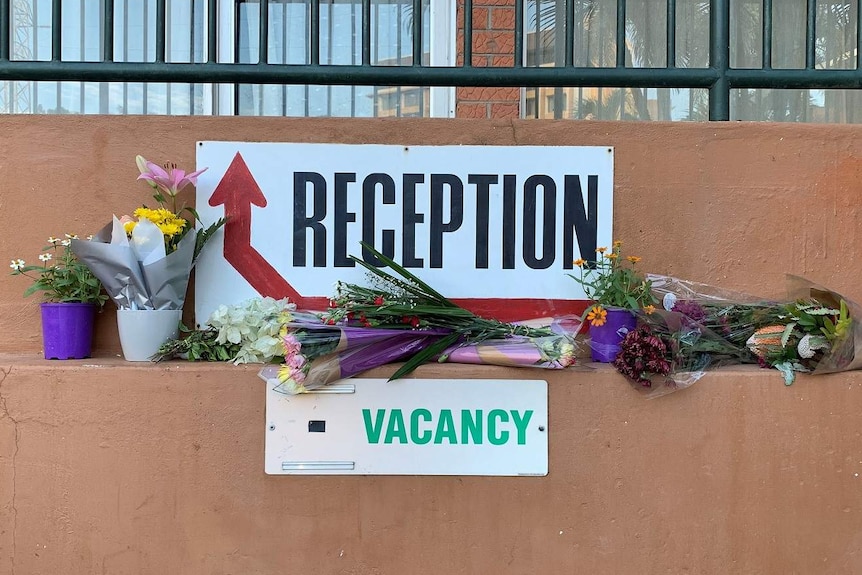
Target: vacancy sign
(409, 427)
(495, 228)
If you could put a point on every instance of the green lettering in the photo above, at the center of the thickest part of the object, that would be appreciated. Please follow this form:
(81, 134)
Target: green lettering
(471, 427)
(493, 415)
(414, 426)
(446, 428)
(521, 424)
(373, 431)
(396, 427)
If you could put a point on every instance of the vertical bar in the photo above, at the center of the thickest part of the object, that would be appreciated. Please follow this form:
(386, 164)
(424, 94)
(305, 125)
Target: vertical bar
(468, 33)
(398, 56)
(353, 54)
(810, 34)
(537, 46)
(108, 31)
(5, 28)
(366, 32)
(315, 32)
(671, 33)
(284, 24)
(263, 34)
(621, 33)
(56, 31)
(146, 49)
(519, 33)
(766, 51)
(212, 28)
(570, 34)
(417, 33)
(160, 30)
(82, 14)
(719, 58)
(859, 35)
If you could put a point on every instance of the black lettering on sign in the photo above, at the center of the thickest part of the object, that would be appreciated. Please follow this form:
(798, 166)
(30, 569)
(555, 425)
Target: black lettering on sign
(483, 193)
(549, 231)
(580, 221)
(509, 222)
(369, 187)
(456, 212)
(342, 218)
(302, 221)
(410, 219)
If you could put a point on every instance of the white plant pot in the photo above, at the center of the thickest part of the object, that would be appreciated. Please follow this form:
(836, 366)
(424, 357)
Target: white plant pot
(143, 331)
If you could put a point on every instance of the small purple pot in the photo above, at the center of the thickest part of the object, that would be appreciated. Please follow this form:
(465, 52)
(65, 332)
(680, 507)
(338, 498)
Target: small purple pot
(606, 338)
(67, 330)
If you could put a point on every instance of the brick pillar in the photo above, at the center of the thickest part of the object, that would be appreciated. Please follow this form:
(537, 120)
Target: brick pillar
(493, 45)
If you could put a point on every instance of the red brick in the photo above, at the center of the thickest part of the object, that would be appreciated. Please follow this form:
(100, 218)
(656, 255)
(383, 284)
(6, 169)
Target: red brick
(505, 111)
(493, 2)
(481, 19)
(471, 111)
(502, 18)
(503, 61)
(489, 94)
(493, 42)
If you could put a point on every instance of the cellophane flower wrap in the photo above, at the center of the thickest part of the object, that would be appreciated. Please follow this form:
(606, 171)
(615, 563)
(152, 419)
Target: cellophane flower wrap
(317, 353)
(810, 330)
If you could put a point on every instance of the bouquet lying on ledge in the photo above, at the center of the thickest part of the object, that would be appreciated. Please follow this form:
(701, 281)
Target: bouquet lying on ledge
(702, 327)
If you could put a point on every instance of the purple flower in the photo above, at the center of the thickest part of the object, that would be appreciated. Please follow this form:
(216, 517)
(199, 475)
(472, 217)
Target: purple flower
(690, 309)
(171, 180)
(642, 355)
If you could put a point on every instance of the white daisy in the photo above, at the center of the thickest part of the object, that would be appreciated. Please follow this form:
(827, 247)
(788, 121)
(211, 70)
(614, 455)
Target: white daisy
(72, 236)
(53, 240)
(66, 242)
(45, 257)
(17, 264)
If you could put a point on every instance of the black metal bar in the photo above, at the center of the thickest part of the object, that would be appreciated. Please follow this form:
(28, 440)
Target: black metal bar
(671, 33)
(719, 59)
(5, 29)
(859, 35)
(468, 33)
(766, 18)
(519, 33)
(417, 32)
(56, 31)
(366, 32)
(108, 30)
(263, 33)
(810, 34)
(315, 32)
(621, 33)
(212, 31)
(160, 30)
(570, 34)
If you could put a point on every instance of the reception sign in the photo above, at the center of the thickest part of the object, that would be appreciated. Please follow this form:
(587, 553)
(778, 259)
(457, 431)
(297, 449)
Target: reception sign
(494, 227)
(410, 427)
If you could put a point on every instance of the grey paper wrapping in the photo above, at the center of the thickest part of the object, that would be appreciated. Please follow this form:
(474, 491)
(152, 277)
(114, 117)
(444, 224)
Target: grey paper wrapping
(158, 285)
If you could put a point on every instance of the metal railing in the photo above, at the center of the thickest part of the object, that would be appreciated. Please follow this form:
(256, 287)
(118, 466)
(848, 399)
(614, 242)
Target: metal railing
(719, 78)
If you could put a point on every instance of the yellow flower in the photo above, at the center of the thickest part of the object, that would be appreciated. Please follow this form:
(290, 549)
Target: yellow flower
(633, 259)
(612, 256)
(580, 262)
(601, 250)
(129, 226)
(648, 309)
(597, 316)
(617, 243)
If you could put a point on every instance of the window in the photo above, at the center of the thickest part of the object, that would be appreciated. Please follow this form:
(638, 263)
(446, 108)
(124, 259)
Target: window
(238, 41)
(645, 47)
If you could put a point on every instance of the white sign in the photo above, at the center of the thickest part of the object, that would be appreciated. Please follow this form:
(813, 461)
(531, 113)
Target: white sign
(410, 427)
(478, 223)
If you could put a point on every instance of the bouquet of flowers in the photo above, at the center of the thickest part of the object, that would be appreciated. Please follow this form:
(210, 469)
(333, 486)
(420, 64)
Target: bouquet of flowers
(402, 318)
(612, 282)
(145, 263)
(703, 327)
(60, 275)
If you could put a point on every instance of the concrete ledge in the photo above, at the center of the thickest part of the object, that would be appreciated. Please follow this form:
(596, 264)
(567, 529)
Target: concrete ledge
(111, 467)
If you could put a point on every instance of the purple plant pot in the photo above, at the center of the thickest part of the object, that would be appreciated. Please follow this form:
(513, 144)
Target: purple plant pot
(67, 330)
(605, 339)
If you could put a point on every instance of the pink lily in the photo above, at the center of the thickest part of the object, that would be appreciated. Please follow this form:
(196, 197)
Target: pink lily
(171, 180)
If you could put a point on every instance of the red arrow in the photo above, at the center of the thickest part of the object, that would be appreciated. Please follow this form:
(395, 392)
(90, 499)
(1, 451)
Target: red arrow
(238, 191)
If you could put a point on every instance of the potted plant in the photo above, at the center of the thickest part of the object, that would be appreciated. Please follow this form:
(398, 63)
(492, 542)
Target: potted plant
(617, 290)
(72, 294)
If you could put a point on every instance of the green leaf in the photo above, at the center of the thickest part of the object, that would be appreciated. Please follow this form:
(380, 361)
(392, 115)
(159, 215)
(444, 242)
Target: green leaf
(785, 336)
(425, 355)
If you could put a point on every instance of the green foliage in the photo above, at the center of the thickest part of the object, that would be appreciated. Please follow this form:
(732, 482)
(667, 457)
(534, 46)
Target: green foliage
(62, 276)
(198, 345)
(613, 281)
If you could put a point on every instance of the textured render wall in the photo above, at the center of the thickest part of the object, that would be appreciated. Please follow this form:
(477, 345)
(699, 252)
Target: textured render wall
(738, 205)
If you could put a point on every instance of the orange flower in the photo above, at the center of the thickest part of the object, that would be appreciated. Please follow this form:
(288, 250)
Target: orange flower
(597, 316)
(612, 256)
(601, 250)
(579, 262)
(617, 243)
(648, 309)
(633, 259)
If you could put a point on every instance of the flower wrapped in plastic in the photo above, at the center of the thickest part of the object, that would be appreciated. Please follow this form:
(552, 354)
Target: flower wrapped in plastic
(812, 330)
